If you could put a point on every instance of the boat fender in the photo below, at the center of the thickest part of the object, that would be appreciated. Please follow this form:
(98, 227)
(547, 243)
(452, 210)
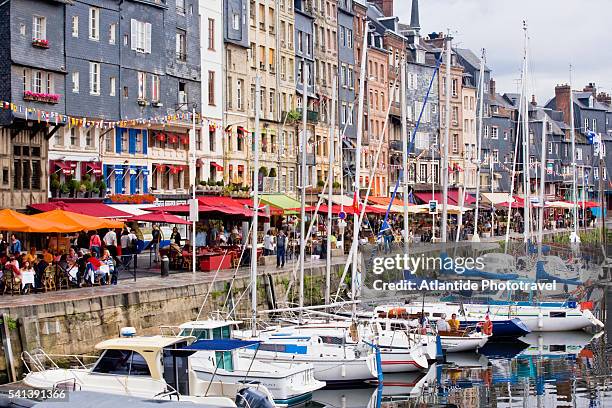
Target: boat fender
(588, 305)
(540, 320)
(343, 370)
(253, 398)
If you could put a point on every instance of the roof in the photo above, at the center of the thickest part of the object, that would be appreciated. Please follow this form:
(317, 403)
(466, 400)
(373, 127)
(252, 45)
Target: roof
(282, 201)
(94, 209)
(209, 324)
(220, 345)
(140, 342)
(469, 57)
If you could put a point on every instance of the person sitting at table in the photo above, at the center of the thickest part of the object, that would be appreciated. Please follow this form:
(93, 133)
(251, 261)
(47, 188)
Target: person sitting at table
(454, 323)
(235, 237)
(31, 256)
(48, 256)
(175, 237)
(15, 248)
(27, 274)
(13, 266)
(201, 237)
(72, 256)
(108, 263)
(92, 271)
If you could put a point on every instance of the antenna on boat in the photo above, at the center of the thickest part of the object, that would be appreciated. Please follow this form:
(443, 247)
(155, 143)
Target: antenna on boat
(476, 236)
(255, 208)
(574, 238)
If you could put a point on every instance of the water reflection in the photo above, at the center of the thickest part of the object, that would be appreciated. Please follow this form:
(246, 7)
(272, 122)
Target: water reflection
(540, 370)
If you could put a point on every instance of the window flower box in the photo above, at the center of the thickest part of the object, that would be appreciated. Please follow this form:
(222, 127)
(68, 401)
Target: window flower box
(41, 97)
(157, 104)
(40, 43)
(142, 102)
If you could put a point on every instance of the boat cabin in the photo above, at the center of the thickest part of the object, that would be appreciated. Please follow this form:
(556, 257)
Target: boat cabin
(212, 330)
(153, 357)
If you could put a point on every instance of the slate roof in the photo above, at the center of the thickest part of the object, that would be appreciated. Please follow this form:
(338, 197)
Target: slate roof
(469, 57)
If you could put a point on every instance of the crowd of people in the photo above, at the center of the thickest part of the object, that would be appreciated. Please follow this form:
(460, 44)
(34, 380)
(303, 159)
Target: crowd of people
(88, 260)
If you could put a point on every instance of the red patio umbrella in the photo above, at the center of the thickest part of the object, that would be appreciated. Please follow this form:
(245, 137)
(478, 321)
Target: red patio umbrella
(161, 217)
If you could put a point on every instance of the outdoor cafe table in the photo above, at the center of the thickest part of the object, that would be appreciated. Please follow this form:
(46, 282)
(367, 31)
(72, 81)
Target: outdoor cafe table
(27, 277)
(211, 261)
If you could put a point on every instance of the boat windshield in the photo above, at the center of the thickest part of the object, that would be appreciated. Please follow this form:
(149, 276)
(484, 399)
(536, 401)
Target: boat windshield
(205, 334)
(122, 362)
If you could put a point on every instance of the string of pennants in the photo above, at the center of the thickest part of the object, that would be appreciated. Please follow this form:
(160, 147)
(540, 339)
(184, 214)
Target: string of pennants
(73, 121)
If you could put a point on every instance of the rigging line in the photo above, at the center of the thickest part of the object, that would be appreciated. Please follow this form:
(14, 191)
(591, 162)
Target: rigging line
(229, 290)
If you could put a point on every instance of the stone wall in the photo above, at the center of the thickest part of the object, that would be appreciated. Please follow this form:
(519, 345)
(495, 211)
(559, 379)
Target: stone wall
(76, 326)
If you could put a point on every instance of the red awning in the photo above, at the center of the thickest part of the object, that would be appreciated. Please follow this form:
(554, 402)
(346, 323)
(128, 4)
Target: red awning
(212, 206)
(160, 167)
(240, 167)
(99, 210)
(425, 197)
(199, 162)
(453, 198)
(161, 136)
(65, 167)
(95, 167)
(185, 139)
(242, 130)
(175, 169)
(216, 166)
(172, 138)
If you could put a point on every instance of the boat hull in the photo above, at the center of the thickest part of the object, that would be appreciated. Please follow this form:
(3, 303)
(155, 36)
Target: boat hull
(456, 344)
(400, 360)
(503, 328)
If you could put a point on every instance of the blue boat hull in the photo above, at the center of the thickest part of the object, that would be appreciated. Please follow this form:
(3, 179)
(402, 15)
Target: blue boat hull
(503, 328)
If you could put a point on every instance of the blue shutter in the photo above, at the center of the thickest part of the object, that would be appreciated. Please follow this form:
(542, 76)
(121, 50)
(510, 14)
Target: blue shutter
(106, 171)
(118, 133)
(133, 179)
(132, 140)
(145, 180)
(118, 179)
(145, 141)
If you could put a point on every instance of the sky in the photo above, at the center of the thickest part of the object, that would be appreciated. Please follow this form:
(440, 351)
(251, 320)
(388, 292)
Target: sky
(561, 32)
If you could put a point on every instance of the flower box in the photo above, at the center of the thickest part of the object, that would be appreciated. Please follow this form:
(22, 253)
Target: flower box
(40, 97)
(37, 42)
(157, 104)
(142, 102)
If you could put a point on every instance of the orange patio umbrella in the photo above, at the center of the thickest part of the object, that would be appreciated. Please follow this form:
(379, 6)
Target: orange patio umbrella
(76, 221)
(17, 222)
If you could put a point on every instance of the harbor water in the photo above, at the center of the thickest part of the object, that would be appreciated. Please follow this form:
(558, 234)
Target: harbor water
(548, 369)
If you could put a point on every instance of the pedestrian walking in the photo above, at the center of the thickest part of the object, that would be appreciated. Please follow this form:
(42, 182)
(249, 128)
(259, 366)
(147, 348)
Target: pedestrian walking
(281, 243)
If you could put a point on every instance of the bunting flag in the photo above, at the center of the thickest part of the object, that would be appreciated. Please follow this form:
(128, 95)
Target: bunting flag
(40, 115)
(355, 202)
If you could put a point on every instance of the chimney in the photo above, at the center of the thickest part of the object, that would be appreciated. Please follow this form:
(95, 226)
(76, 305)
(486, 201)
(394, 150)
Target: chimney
(562, 101)
(385, 6)
(591, 88)
(533, 100)
(604, 98)
(492, 86)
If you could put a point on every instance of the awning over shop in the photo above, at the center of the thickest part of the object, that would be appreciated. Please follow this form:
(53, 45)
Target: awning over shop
(94, 168)
(283, 202)
(160, 217)
(453, 195)
(426, 196)
(18, 222)
(65, 167)
(216, 166)
(78, 222)
(496, 198)
(100, 210)
(424, 209)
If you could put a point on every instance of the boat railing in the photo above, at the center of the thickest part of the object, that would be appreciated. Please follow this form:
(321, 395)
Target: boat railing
(38, 360)
(169, 392)
(170, 331)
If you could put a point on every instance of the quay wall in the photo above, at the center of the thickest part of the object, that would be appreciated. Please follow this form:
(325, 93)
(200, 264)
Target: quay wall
(74, 327)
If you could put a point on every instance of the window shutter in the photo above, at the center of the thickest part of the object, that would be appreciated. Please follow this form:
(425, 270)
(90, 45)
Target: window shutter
(134, 34)
(133, 179)
(145, 142)
(118, 132)
(145, 181)
(119, 180)
(132, 141)
(148, 38)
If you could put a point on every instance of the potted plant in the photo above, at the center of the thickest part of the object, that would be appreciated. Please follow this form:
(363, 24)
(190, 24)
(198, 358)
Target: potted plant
(101, 184)
(292, 116)
(64, 189)
(55, 185)
(320, 183)
(73, 186)
(87, 187)
(336, 186)
(220, 183)
(272, 172)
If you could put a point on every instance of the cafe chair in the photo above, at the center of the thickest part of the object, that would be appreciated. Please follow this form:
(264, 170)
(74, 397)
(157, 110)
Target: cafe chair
(48, 280)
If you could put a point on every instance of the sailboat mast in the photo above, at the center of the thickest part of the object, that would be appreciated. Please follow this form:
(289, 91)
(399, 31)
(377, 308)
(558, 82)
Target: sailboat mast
(255, 208)
(526, 141)
(475, 236)
(304, 181)
(404, 149)
(362, 79)
(330, 190)
(443, 224)
(574, 237)
(542, 184)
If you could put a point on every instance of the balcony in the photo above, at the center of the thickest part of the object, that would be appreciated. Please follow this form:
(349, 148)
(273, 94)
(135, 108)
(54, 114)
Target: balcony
(395, 145)
(311, 159)
(296, 116)
(311, 116)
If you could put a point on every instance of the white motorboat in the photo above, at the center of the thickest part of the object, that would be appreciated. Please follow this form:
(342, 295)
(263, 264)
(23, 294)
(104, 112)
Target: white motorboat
(155, 367)
(555, 344)
(338, 363)
(289, 383)
(400, 350)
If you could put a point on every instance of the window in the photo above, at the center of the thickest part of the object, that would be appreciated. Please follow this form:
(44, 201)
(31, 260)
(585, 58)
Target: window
(141, 36)
(423, 173)
(550, 147)
(211, 34)
(94, 78)
(181, 45)
(75, 26)
(142, 86)
(495, 156)
(586, 124)
(74, 138)
(94, 23)
(122, 362)
(112, 33)
(239, 94)
(486, 132)
(494, 132)
(236, 21)
(180, 7)
(126, 92)
(113, 86)
(75, 82)
(182, 96)
(155, 88)
(594, 128)
(454, 85)
(455, 143)
(578, 153)
(39, 28)
(211, 139)
(89, 137)
(211, 88)
(343, 113)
